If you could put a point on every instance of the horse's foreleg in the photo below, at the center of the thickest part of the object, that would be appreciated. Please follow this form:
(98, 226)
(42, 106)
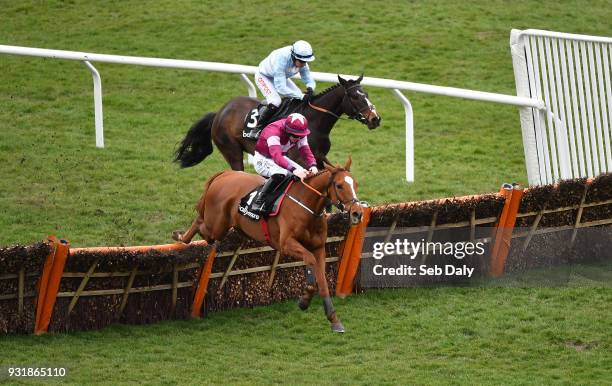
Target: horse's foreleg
(328, 307)
(292, 247)
(309, 290)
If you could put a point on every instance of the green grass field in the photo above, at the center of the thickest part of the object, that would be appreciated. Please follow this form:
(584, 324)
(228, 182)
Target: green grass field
(54, 181)
(413, 336)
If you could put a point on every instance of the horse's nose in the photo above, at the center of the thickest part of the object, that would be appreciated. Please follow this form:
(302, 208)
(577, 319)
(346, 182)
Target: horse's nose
(356, 217)
(374, 122)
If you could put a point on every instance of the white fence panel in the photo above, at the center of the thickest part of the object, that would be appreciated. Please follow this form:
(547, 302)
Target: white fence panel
(571, 74)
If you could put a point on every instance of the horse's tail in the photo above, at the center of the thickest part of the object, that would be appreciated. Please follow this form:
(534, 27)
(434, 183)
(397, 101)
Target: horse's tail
(200, 206)
(197, 144)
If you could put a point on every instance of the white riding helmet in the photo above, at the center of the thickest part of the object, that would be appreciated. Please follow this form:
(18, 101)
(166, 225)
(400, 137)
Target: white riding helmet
(303, 51)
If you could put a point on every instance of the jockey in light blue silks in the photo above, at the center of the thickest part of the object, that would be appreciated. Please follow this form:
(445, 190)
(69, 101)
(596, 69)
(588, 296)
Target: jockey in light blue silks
(273, 73)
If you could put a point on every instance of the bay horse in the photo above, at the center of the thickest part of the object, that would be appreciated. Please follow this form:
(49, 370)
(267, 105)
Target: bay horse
(299, 230)
(224, 127)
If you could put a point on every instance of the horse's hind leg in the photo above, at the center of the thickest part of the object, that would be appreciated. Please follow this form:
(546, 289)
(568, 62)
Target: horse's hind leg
(231, 150)
(206, 232)
(233, 156)
(193, 229)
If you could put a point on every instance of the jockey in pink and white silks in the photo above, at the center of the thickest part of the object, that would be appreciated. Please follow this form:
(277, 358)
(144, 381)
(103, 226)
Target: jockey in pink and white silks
(271, 150)
(275, 141)
(273, 73)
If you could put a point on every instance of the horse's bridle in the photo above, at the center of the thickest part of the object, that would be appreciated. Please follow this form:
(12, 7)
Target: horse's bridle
(338, 204)
(355, 114)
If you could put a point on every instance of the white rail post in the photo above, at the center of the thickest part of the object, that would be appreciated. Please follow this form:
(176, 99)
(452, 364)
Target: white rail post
(529, 129)
(97, 81)
(250, 86)
(409, 135)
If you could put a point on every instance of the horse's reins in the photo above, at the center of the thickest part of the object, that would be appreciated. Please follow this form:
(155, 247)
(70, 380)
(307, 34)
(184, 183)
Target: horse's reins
(304, 206)
(356, 114)
(339, 204)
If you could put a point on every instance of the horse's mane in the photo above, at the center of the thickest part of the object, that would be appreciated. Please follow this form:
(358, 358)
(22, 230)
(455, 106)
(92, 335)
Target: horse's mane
(317, 174)
(324, 170)
(328, 90)
(331, 88)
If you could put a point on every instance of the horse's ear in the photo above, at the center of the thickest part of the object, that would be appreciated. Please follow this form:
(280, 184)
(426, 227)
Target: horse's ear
(347, 166)
(329, 167)
(341, 80)
(360, 78)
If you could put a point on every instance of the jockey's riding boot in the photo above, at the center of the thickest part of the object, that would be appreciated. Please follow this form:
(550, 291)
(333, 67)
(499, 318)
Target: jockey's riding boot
(261, 197)
(267, 113)
(270, 184)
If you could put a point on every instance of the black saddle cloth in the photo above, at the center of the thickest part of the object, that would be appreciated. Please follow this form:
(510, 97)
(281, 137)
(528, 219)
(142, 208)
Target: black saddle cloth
(252, 127)
(272, 200)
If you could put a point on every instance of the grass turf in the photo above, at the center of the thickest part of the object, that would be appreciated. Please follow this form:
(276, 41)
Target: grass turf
(54, 181)
(409, 336)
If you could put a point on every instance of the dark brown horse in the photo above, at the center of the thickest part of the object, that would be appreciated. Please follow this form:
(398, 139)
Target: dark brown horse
(299, 230)
(224, 127)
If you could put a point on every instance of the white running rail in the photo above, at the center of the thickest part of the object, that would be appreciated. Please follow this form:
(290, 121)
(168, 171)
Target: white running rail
(394, 85)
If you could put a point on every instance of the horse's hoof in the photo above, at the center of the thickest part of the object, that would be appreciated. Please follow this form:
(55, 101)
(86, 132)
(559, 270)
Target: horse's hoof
(177, 236)
(303, 304)
(337, 327)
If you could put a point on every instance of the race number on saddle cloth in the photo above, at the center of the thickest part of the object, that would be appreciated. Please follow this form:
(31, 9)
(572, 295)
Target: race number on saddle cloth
(271, 159)
(254, 123)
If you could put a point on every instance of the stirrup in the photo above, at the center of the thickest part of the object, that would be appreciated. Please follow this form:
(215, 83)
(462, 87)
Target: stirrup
(260, 200)
(258, 206)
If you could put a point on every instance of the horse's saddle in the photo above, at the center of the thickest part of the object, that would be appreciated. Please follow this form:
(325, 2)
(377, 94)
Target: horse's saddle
(252, 127)
(272, 200)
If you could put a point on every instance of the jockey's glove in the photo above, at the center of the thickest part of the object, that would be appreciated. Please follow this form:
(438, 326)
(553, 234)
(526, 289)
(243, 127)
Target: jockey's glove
(308, 95)
(301, 174)
(313, 170)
